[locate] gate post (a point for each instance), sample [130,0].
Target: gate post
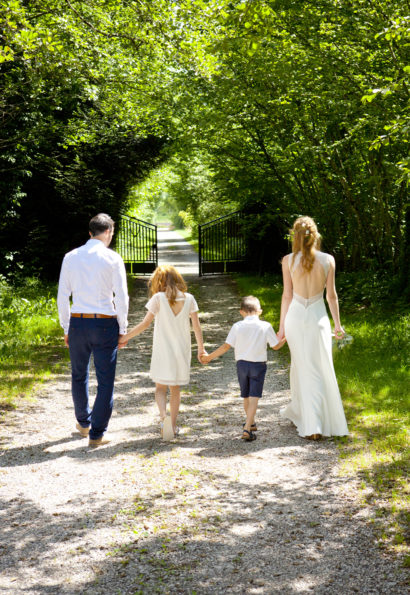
[200,249]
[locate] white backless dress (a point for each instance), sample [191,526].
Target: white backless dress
[316,406]
[171,348]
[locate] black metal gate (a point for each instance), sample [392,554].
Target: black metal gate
[222,246]
[136,242]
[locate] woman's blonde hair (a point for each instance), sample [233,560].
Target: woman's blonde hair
[305,239]
[166,278]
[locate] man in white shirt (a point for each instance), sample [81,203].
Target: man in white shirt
[94,276]
[250,338]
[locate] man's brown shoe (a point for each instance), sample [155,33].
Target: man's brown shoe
[98,441]
[83,431]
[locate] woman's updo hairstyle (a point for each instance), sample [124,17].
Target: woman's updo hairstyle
[305,239]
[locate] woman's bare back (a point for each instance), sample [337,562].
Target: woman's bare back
[309,284]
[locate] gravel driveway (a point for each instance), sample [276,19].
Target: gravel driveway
[206,513]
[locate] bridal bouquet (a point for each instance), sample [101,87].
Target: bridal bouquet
[341,343]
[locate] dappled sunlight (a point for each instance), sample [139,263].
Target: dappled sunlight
[205,512]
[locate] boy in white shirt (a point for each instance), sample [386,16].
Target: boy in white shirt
[249,337]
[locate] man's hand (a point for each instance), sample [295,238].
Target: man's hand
[122,342]
[66,340]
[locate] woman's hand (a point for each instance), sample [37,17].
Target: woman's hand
[339,333]
[280,335]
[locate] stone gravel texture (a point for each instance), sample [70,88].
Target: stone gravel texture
[206,513]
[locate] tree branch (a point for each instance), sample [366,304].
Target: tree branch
[136,44]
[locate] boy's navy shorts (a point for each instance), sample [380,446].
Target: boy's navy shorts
[251,376]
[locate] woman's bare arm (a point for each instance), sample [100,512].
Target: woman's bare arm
[332,298]
[287,296]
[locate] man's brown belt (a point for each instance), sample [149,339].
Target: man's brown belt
[77,315]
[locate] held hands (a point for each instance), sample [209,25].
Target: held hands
[281,343]
[122,341]
[280,335]
[202,357]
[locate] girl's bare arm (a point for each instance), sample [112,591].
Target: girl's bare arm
[144,324]
[196,325]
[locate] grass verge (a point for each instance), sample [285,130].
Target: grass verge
[373,376]
[31,346]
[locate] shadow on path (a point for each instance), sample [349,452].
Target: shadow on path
[207,513]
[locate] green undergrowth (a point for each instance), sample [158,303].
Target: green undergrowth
[373,376]
[31,346]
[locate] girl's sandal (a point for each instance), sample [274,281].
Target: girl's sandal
[248,436]
[314,437]
[167,430]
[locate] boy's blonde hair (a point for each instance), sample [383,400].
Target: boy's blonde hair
[167,279]
[250,304]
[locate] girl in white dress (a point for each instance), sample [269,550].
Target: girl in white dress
[316,408]
[173,308]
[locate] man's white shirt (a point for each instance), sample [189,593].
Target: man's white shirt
[249,338]
[94,276]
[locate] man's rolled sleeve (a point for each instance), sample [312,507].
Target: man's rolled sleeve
[63,297]
[121,295]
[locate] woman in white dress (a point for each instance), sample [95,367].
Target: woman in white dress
[316,408]
[173,308]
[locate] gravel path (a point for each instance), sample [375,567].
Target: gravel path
[207,513]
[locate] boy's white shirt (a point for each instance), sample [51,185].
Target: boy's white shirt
[249,337]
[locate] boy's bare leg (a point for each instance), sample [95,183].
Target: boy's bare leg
[250,405]
[174,402]
[161,399]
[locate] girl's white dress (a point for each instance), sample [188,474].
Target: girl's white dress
[171,349]
[316,406]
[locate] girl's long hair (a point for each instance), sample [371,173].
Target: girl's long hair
[167,279]
[305,239]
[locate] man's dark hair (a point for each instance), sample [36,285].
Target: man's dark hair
[250,304]
[100,223]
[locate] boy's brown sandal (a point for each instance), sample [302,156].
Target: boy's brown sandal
[253,427]
[248,436]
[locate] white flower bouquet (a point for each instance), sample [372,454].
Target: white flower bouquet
[341,343]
